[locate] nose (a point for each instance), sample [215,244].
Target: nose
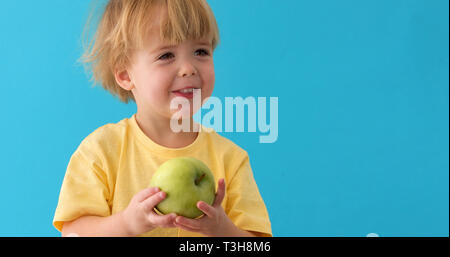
[187,70]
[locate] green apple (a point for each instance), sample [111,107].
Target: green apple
[185,181]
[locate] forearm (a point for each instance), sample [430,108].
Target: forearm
[94,226]
[230,230]
[241,233]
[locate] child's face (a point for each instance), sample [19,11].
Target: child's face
[156,73]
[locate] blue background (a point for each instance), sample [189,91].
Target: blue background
[363,110]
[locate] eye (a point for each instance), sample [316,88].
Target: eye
[202,52]
[166,56]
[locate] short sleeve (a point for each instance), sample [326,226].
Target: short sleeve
[84,191]
[245,206]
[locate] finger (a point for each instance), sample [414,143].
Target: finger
[187,228]
[206,209]
[220,193]
[191,223]
[146,193]
[162,220]
[150,203]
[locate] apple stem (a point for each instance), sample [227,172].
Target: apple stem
[197,181]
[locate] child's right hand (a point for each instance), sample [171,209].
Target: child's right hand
[139,217]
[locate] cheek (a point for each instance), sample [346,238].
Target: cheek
[208,82]
[158,85]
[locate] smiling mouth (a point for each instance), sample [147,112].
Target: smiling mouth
[186,92]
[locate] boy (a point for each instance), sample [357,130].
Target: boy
[152,52]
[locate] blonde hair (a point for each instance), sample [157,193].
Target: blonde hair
[124,26]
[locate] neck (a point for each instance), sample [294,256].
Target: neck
[157,128]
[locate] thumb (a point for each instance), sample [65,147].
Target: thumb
[220,193]
[146,193]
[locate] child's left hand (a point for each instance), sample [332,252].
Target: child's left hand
[215,222]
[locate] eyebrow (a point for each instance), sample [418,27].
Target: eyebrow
[204,44]
[166,47]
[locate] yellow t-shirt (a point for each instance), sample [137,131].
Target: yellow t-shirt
[118,160]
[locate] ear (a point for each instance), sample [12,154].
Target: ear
[123,79]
